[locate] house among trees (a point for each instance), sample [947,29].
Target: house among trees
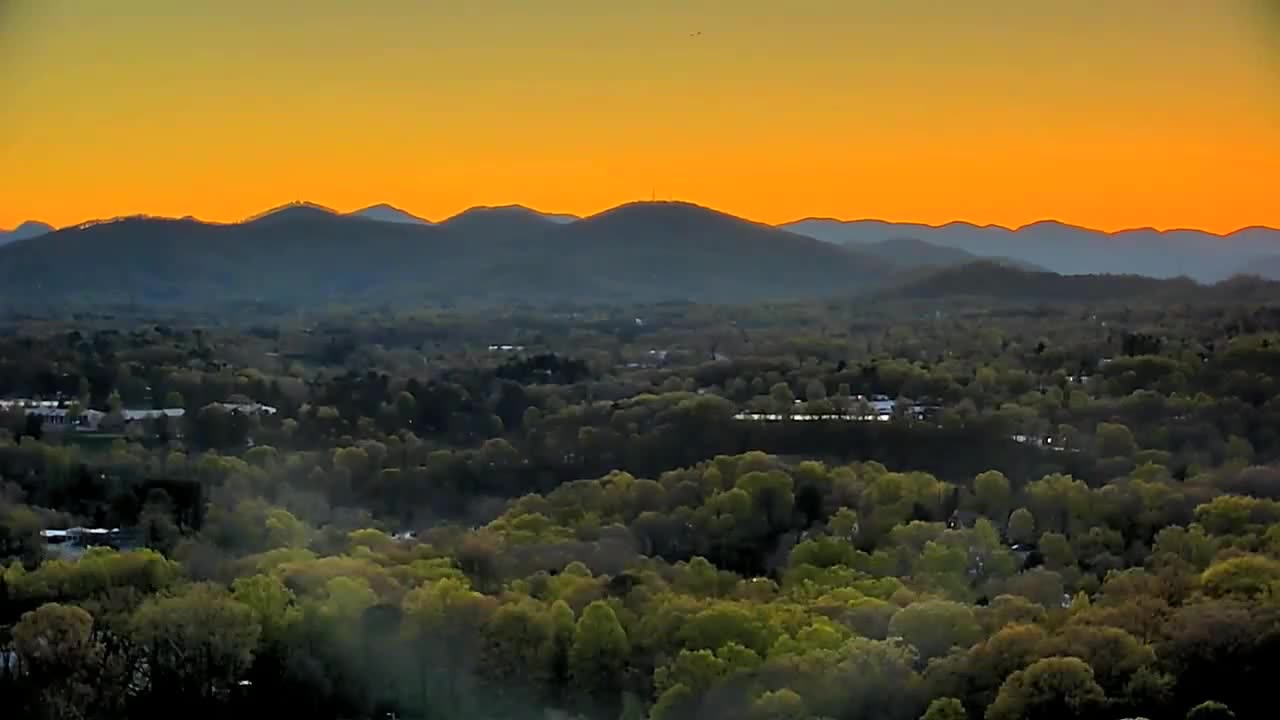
[72,542]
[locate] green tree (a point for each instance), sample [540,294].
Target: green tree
[270,600]
[519,645]
[600,651]
[1245,577]
[677,703]
[200,643]
[60,653]
[1022,526]
[1115,440]
[992,492]
[783,399]
[933,627]
[1055,688]
[945,709]
[1057,551]
[1239,450]
[784,704]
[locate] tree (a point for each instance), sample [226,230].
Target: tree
[1245,576]
[443,622]
[784,704]
[697,670]
[1115,440]
[155,520]
[1210,710]
[1055,688]
[600,651]
[677,703]
[200,643]
[772,496]
[1239,450]
[992,492]
[1022,527]
[783,399]
[1057,551]
[519,645]
[721,624]
[271,601]
[945,709]
[57,647]
[933,627]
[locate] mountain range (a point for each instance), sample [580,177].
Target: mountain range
[1068,249]
[303,253]
[306,254]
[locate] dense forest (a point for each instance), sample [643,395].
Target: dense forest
[949,505]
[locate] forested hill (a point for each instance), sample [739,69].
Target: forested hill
[992,280]
[307,255]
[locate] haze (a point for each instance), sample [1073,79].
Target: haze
[1156,113]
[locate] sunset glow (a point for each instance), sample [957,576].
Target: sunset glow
[1112,115]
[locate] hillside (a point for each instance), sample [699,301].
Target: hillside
[910,253]
[305,254]
[701,253]
[1069,249]
[991,280]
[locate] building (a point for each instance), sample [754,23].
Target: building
[57,415]
[72,542]
[248,408]
[877,408]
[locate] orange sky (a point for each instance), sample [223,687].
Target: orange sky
[1105,113]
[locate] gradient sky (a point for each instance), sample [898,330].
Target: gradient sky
[1105,113]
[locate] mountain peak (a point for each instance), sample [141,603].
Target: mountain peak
[28,229]
[508,213]
[382,212]
[297,208]
[665,210]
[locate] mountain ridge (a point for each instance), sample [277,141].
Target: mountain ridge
[1017,228]
[299,254]
[1048,244]
[1070,249]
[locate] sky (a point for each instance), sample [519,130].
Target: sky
[1110,114]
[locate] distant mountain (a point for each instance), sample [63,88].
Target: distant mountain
[992,280]
[307,254]
[911,253]
[508,221]
[704,254]
[1068,249]
[26,230]
[561,218]
[291,211]
[386,213]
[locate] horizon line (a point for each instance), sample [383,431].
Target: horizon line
[783,225]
